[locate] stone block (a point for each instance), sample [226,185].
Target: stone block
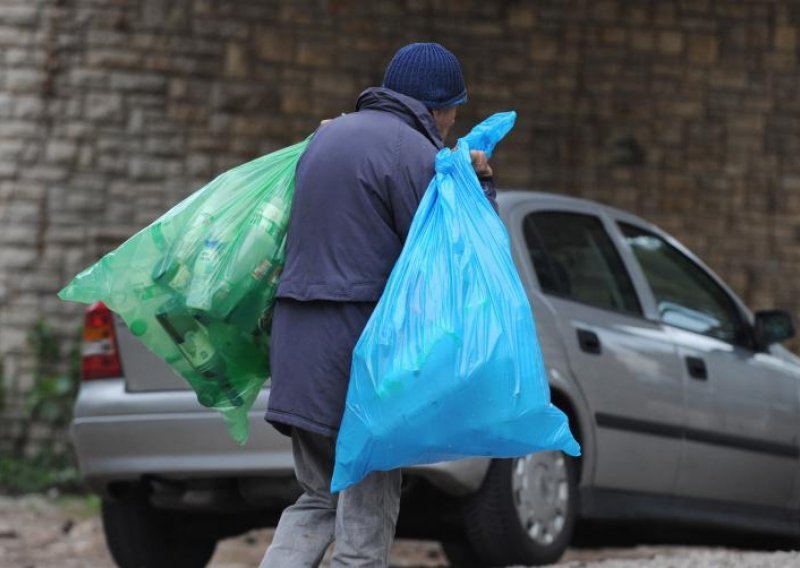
[243,97]
[747,124]
[12,338]
[45,284]
[521,15]
[16,234]
[6,104]
[13,36]
[104,106]
[702,49]
[199,165]
[46,173]
[97,37]
[84,77]
[27,107]
[140,168]
[315,53]
[274,45]
[83,202]
[119,211]
[642,40]
[11,149]
[61,151]
[340,84]
[604,10]
[24,57]
[670,42]
[614,35]
[237,61]
[544,46]
[164,145]
[784,61]
[117,58]
[26,14]
[23,80]
[17,257]
[188,114]
[138,82]
[295,100]
[8,169]
[785,38]
[224,28]
[109,164]
[728,78]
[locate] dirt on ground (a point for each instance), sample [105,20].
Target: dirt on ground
[42,532]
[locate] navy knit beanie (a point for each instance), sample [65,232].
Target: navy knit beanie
[429,73]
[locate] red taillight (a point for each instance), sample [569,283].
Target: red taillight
[100,353]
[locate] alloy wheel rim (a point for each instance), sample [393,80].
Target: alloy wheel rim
[541,495]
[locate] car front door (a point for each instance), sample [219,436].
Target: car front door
[626,368]
[741,405]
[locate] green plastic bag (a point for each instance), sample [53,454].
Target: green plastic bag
[197,286]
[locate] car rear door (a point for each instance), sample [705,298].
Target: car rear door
[625,366]
[741,405]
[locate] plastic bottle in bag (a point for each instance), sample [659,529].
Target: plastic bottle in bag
[207,271]
[181,243]
[194,343]
[256,257]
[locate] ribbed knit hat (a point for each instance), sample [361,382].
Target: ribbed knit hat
[429,73]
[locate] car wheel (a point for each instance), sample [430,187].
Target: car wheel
[141,536]
[525,510]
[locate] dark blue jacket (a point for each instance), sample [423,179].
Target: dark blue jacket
[358,186]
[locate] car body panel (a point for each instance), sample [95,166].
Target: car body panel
[742,427]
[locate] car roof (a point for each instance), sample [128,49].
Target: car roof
[508,198]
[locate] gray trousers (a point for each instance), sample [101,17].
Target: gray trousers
[360,520]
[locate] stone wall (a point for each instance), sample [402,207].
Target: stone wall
[686,113]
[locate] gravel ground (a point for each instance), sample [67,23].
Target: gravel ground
[37,532]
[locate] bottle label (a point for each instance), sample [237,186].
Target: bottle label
[270,219]
[260,270]
[209,256]
[181,279]
[198,348]
[272,213]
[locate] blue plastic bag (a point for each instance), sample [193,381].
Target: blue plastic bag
[449,365]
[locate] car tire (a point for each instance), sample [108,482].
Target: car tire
[141,536]
[525,511]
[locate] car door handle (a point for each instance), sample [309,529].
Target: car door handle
[589,342]
[697,368]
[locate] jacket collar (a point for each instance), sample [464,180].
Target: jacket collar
[410,110]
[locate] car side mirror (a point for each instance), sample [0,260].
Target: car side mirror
[773,326]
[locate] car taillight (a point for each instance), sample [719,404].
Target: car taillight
[100,353]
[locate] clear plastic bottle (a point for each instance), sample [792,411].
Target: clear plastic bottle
[181,242]
[256,255]
[207,274]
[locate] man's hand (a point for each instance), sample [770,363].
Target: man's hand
[480,163]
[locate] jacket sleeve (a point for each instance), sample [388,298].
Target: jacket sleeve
[411,176]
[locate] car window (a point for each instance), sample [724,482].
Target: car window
[574,257]
[686,296]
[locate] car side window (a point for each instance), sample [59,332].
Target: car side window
[686,296]
[574,257]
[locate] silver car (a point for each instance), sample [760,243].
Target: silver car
[686,407]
